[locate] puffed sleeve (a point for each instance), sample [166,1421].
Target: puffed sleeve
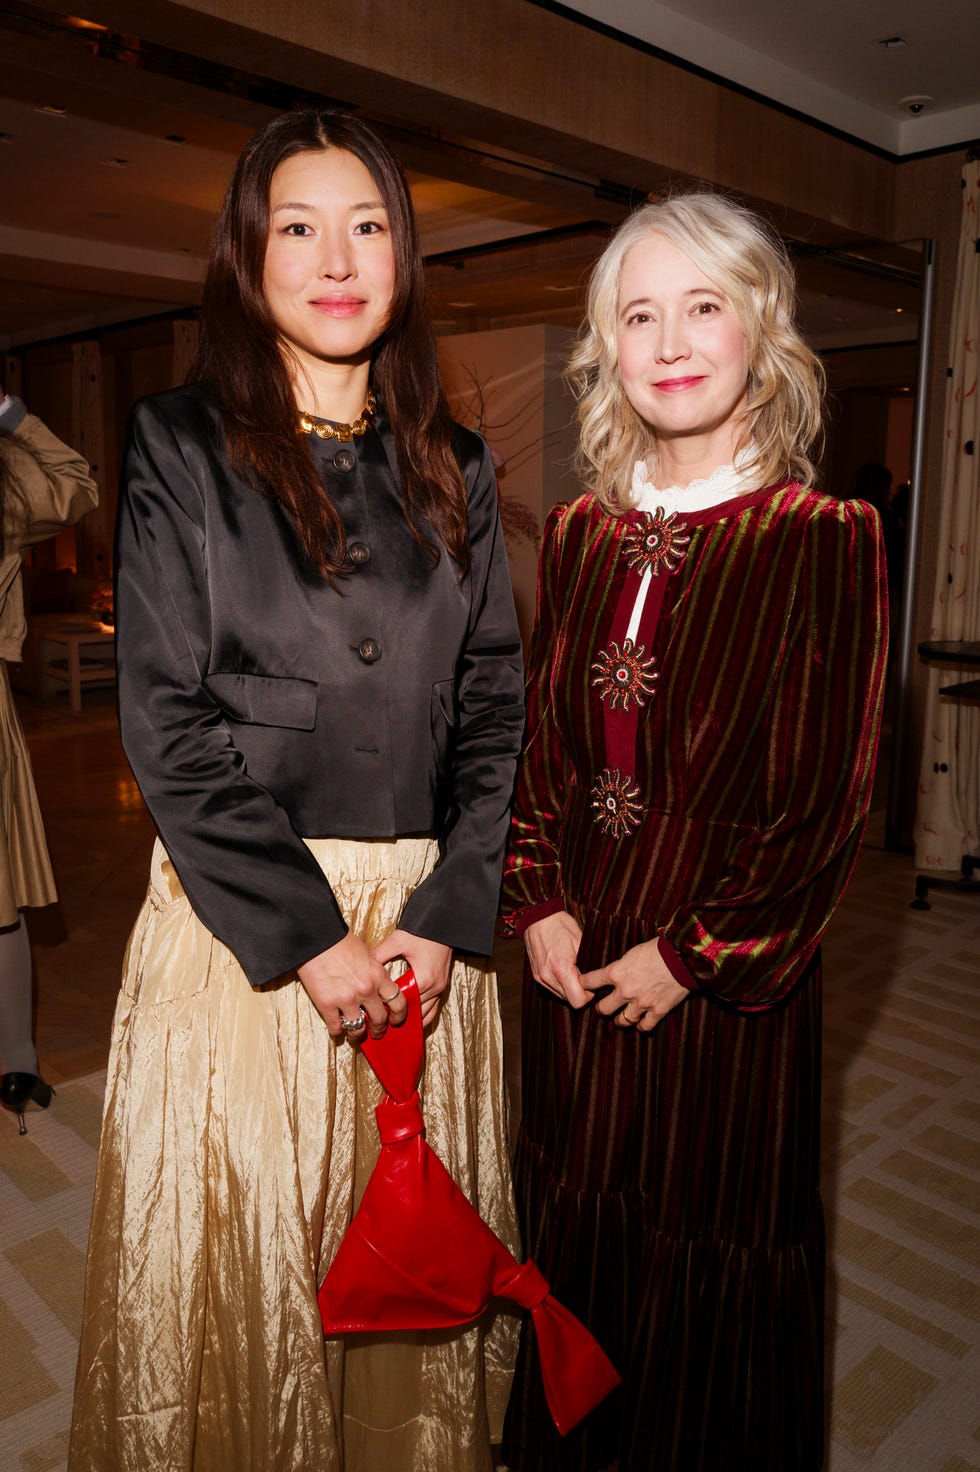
[748,942]
[532,871]
[457,903]
[247,873]
[53,487]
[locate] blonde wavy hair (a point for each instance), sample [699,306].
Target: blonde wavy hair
[749,264]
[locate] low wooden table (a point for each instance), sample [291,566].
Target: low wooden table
[88,652]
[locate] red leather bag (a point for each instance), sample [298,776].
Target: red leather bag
[418,1256]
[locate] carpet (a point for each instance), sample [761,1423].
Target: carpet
[901,1185]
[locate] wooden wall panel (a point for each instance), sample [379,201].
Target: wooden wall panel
[511,74]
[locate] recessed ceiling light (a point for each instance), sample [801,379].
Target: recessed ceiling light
[899,309]
[891,42]
[52,110]
[461,304]
[559,287]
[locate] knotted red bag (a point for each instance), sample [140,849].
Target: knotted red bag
[418,1256]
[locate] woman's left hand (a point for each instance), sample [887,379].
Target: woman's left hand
[430,961]
[643,990]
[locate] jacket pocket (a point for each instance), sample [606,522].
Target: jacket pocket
[444,717]
[265,700]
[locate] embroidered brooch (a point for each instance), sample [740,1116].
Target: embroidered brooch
[615,803]
[655,543]
[623,676]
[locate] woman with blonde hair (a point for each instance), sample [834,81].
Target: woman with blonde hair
[704,691]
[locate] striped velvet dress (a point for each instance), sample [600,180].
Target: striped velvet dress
[668,1183]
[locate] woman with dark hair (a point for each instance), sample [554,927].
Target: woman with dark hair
[44,486]
[704,695]
[320,695]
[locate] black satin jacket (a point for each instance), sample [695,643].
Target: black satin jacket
[259,706]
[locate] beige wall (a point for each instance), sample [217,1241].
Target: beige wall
[508,385]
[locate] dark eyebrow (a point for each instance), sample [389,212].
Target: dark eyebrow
[294,204]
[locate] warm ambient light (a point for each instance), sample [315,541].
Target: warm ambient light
[461,304]
[52,109]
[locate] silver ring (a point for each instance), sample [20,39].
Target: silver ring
[396,993]
[353,1024]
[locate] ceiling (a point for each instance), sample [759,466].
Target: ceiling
[827,59]
[111,175]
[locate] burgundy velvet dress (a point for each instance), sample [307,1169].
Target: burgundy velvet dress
[706,784]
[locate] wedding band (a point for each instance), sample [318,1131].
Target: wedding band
[353,1024]
[396,993]
[632,1021]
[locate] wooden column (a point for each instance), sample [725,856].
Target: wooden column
[93,538]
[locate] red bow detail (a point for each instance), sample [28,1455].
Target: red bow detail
[418,1256]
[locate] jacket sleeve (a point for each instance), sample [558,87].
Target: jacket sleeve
[52,481]
[532,885]
[457,903]
[245,870]
[748,942]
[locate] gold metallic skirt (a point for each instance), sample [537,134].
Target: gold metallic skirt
[237,1139]
[25,869]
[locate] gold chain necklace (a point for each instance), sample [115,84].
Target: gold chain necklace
[346,432]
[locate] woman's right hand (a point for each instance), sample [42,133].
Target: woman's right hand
[552,950]
[345,978]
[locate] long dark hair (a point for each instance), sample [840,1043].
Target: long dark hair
[240,353]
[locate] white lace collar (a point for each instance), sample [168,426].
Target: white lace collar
[721,485]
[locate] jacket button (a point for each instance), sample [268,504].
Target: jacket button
[345,460]
[359,553]
[369,650]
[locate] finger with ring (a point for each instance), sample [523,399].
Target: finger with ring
[353,1024]
[394,996]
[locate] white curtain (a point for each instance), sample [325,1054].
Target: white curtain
[948,809]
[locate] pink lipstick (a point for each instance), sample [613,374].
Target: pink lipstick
[678,385]
[338,306]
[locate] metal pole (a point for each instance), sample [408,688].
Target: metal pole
[906,650]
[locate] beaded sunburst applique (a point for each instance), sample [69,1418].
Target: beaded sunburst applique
[615,802]
[656,542]
[622,676]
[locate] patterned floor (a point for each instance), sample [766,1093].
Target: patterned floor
[901,1124]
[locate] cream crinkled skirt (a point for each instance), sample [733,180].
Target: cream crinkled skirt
[237,1139]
